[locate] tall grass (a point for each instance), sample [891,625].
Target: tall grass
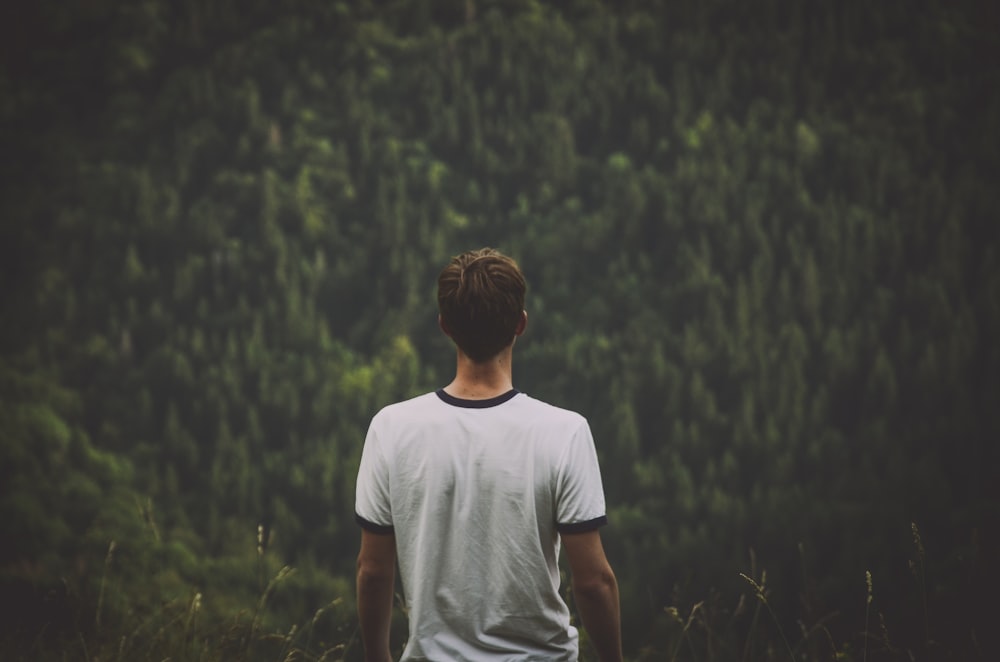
[123,627]
[179,633]
[751,630]
[134,620]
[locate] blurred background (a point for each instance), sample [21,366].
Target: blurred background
[761,241]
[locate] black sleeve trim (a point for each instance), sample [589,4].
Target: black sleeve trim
[372,527]
[583,527]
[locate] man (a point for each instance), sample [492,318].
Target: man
[473,487]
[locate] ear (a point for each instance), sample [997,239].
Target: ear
[443,326]
[523,324]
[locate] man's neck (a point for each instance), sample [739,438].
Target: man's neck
[481,381]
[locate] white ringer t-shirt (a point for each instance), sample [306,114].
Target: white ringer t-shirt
[476,493]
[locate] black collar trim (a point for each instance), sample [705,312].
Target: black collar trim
[476,404]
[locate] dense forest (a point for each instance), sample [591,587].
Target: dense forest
[763,254]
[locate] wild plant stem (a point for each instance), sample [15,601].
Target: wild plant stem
[759,590]
[684,636]
[868,604]
[104,578]
[921,577]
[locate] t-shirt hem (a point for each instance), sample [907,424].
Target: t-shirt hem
[372,527]
[583,527]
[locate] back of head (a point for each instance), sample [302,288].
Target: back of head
[481,298]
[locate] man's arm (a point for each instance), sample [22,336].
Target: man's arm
[376,579]
[595,590]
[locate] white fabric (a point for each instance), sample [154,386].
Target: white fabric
[474,496]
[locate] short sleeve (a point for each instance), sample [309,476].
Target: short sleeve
[579,492]
[372,507]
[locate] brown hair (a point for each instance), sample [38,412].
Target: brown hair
[481,298]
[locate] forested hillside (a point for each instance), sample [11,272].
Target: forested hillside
[761,243]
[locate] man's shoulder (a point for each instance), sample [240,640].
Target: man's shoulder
[549,411]
[407,407]
[429,406]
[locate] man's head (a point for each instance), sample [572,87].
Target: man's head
[481,301]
